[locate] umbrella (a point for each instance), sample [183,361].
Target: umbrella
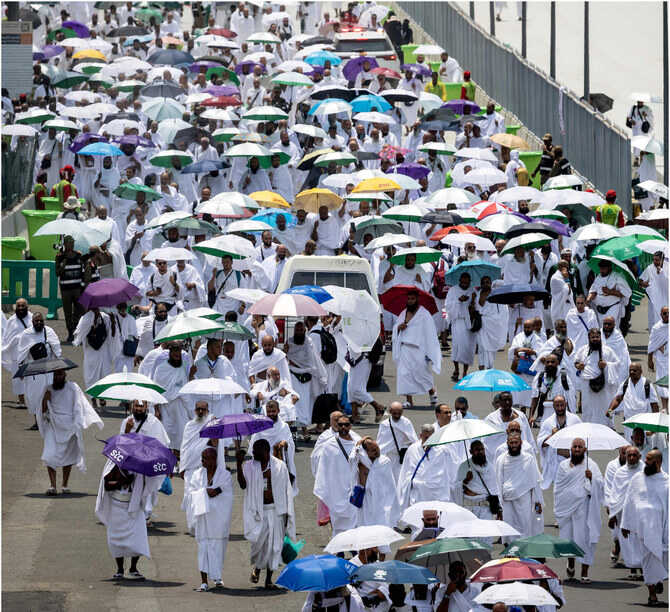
[19,130]
[404,212]
[543,546]
[492,380]
[442,218]
[159,109]
[164,159]
[413,170]
[389,240]
[169,254]
[270,218]
[223,134]
[135,452]
[319,58]
[309,130]
[440,148]
[165,218]
[423,255]
[563,181]
[650,232]
[168,129]
[476,268]
[122,378]
[655,187]
[34,115]
[650,421]
[330,107]
[149,14]
[360,316]
[84,235]
[404,181]
[108,292]
[478,528]
[205,312]
[77,27]
[510,569]
[595,231]
[162,89]
[531,240]
[542,213]
[476,153]
[511,141]
[395,299]
[269,199]
[447,511]
[500,223]
[236,426]
[218,207]
[370,102]
[307,162]
[292,79]
[517,193]
[248,149]
[428,50]
[229,244]
[248,296]
[374,226]
[318,294]
[222,101]
[313,199]
[285,305]
[127,31]
[617,267]
[486,176]
[90,54]
[265,113]
[460,431]
[658,214]
[515,292]
[363,197]
[459,106]
[185,326]
[399,95]
[192,226]
[652,246]
[235,198]
[130,393]
[336,157]
[61,125]
[205,166]
[460,240]
[44,366]
[625,247]
[212,387]
[101,148]
[439,554]
[223,90]
[387,72]
[264,38]
[516,594]
[247,226]
[320,573]
[647,143]
[459,229]
[596,436]
[394,572]
[234,331]
[374,117]
[369,536]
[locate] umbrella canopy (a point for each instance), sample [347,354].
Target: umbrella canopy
[163,108]
[562,181]
[122,378]
[247,226]
[292,79]
[625,247]
[318,294]
[338,158]
[265,113]
[395,299]
[375,227]
[492,380]
[378,184]
[128,191]
[44,366]
[84,235]
[442,218]
[212,387]
[389,240]
[486,176]
[246,295]
[542,213]
[537,227]
[532,240]
[543,546]
[61,125]
[374,117]
[369,536]
[313,199]
[647,143]
[617,267]
[460,240]
[500,223]
[478,528]
[476,268]
[422,254]
[447,512]
[248,149]
[428,50]
[234,331]
[269,217]
[517,193]
[163,89]
[596,436]
[485,208]
[400,95]
[655,187]
[269,199]
[236,426]
[451,195]
[34,115]
[170,57]
[367,103]
[135,452]
[511,141]
[653,246]
[516,594]
[650,232]
[595,231]
[130,393]
[231,245]
[476,153]
[404,212]
[204,166]
[460,431]
[650,421]
[108,292]
[167,217]
[459,229]
[394,572]
[510,569]
[165,159]
[286,305]
[185,326]
[360,316]
[318,573]
[103,149]
[169,254]
[515,292]
[319,58]
[206,312]
[439,554]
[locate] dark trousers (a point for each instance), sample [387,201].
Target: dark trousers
[72,309]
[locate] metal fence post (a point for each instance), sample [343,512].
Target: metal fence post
[524,8]
[552,42]
[587,67]
[492,18]
[472,11]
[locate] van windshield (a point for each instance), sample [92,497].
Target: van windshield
[350,280]
[369,45]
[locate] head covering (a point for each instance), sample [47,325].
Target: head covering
[547,136]
[610,195]
[72,203]
[466,73]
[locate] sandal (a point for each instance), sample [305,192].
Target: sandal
[570,573]
[65,491]
[454,377]
[118,576]
[653,602]
[434,400]
[218,584]
[51,492]
[135,576]
[585,580]
[255,575]
[203,588]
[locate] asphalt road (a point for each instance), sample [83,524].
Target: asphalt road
[55,553]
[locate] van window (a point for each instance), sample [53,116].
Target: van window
[356,280]
[350,280]
[369,45]
[302,278]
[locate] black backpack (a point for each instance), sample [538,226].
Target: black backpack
[328,346]
[98,334]
[647,388]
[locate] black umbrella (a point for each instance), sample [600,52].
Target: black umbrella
[189,135]
[341,93]
[442,217]
[398,96]
[317,40]
[601,102]
[447,126]
[128,116]
[515,292]
[441,114]
[213,58]
[366,155]
[162,89]
[125,31]
[44,366]
[526,228]
[204,166]
[170,57]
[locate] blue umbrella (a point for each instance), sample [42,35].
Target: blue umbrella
[270,217]
[492,380]
[368,102]
[476,268]
[319,58]
[318,294]
[318,573]
[515,292]
[204,166]
[320,102]
[101,148]
[394,572]
[134,452]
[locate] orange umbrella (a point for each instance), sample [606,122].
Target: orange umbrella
[455,229]
[270,199]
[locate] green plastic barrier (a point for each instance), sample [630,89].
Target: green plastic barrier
[12,248]
[448,181]
[39,288]
[512,129]
[41,247]
[52,204]
[453,91]
[532,161]
[408,56]
[435,66]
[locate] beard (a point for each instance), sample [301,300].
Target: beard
[514,453]
[576,459]
[299,339]
[650,470]
[139,416]
[58,384]
[175,363]
[479,460]
[551,372]
[595,346]
[412,307]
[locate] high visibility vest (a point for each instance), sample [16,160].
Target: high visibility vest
[609,213]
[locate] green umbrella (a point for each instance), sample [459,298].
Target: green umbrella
[145,14]
[65,79]
[128,191]
[163,108]
[129,85]
[266,162]
[34,116]
[235,331]
[90,68]
[662,382]
[67,32]
[622,248]
[293,79]
[439,554]
[404,212]
[122,378]
[222,71]
[101,80]
[225,134]
[338,158]
[423,255]
[617,266]
[377,226]
[542,546]
[265,113]
[649,421]
[193,226]
[184,326]
[164,158]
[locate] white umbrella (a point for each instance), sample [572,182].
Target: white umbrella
[448,513]
[641,96]
[428,50]
[595,231]
[258,56]
[596,436]
[651,246]
[219,114]
[462,430]
[543,213]
[185,326]
[631,230]
[460,240]
[234,246]
[429,101]
[81,112]
[198,97]
[219,208]
[247,225]
[657,214]
[332,108]
[389,240]
[248,149]
[360,316]
[654,420]
[156,160]
[404,212]
[655,187]
[295,78]
[368,195]
[309,130]
[478,528]
[203,311]
[476,153]
[123,378]
[339,181]
[261,113]
[517,193]
[516,594]
[236,198]
[438,147]
[293,66]
[212,387]
[361,538]
[169,254]
[248,296]
[18,129]
[129,393]
[499,223]
[647,143]
[526,240]
[405,182]
[61,124]
[264,37]
[375,117]
[451,195]
[167,217]
[562,181]
[486,176]
[84,235]
[117,127]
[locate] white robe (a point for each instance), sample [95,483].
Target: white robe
[577,502]
[405,436]
[97,363]
[11,330]
[616,306]
[579,325]
[561,297]
[483,484]
[191,298]
[416,351]
[631,549]
[190,457]
[279,432]
[619,346]
[260,362]
[303,359]
[221,368]
[380,502]
[595,405]
[657,291]
[635,400]
[463,345]
[175,413]
[658,348]
[425,475]
[534,342]
[492,337]
[126,328]
[285,401]
[549,457]
[495,419]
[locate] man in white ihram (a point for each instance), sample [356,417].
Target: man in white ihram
[475,482]
[64,415]
[518,480]
[578,496]
[394,437]
[416,351]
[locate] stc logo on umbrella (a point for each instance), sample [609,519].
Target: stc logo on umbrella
[159,468]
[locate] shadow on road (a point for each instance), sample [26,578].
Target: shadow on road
[74,495]
[602,585]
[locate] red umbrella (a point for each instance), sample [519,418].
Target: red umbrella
[485,208]
[395,299]
[387,72]
[222,101]
[222,32]
[512,568]
[455,229]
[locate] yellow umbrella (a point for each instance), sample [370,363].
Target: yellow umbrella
[510,141]
[312,199]
[270,199]
[89,54]
[377,184]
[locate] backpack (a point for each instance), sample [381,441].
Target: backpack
[647,388]
[328,346]
[98,334]
[376,351]
[439,284]
[564,381]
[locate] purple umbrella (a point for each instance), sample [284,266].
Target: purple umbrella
[136,141]
[415,171]
[458,106]
[526,218]
[50,51]
[236,425]
[134,452]
[421,69]
[85,139]
[81,30]
[239,68]
[108,292]
[223,90]
[355,65]
[197,66]
[559,227]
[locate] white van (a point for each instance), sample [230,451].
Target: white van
[373,44]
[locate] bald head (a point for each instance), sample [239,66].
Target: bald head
[334,416]
[395,410]
[653,462]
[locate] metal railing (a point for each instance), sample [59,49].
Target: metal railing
[596,148]
[18,165]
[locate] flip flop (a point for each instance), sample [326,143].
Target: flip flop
[203,588]
[454,377]
[255,575]
[51,492]
[118,576]
[585,580]
[135,576]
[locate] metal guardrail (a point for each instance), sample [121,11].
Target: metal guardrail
[34,280]
[596,148]
[18,166]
